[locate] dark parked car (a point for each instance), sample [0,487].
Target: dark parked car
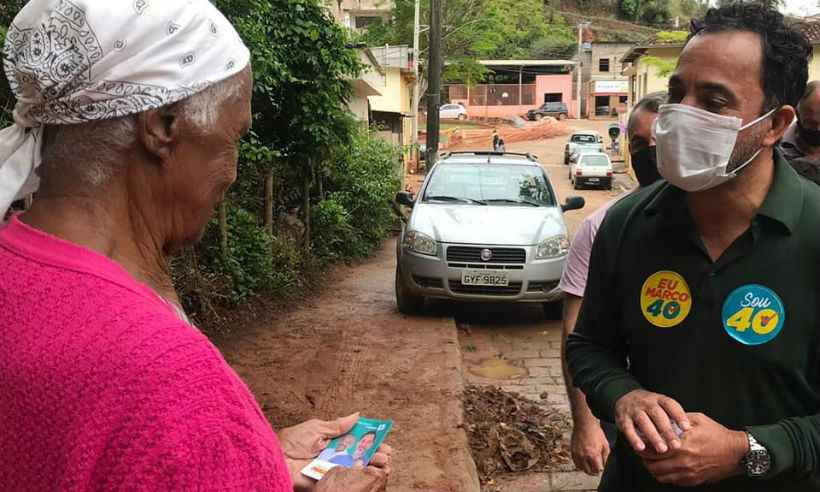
[555,109]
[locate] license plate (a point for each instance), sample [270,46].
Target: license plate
[592,180]
[491,278]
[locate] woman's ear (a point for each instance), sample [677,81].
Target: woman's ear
[158,131]
[781,119]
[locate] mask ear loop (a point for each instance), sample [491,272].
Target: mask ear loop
[739,168]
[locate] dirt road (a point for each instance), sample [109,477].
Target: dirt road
[348,350]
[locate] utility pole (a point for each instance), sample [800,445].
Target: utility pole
[434,87]
[414,103]
[578,73]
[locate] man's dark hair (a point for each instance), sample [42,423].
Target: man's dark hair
[650,102]
[786,51]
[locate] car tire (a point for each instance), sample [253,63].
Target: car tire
[575,185]
[553,311]
[562,116]
[407,303]
[566,160]
[462,117]
[539,117]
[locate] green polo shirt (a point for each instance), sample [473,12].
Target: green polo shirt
[736,339]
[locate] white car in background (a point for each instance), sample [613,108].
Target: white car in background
[591,169]
[484,227]
[580,142]
[452,112]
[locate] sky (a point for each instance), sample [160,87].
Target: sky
[802,8]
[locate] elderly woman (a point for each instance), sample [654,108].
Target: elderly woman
[127,123]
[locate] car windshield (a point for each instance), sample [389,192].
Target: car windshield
[584,139]
[594,160]
[489,184]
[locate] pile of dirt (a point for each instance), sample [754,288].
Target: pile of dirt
[510,433]
[482,138]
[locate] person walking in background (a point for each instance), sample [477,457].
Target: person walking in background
[496,139]
[501,147]
[591,440]
[697,334]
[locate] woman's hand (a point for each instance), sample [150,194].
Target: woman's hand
[306,440]
[302,443]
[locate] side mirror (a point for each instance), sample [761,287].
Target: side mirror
[406,199]
[573,203]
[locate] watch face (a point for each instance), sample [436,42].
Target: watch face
[758,463]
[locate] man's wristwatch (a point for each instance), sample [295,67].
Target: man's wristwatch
[757,461]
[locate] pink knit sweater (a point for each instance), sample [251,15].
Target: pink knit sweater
[103,387]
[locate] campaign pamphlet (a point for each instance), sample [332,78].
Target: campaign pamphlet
[357,447]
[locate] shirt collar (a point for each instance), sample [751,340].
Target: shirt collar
[783,204]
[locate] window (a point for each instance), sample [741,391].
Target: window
[603,65]
[594,160]
[623,99]
[496,184]
[584,139]
[553,97]
[364,22]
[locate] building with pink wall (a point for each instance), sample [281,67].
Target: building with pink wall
[527,84]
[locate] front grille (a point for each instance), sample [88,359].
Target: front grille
[428,282]
[542,286]
[471,254]
[512,290]
[485,266]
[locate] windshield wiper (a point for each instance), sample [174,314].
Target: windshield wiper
[444,198]
[517,202]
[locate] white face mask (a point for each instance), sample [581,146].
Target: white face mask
[694,146]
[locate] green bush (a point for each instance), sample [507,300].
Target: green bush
[364,179]
[333,237]
[256,262]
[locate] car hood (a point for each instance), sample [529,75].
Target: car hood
[491,225]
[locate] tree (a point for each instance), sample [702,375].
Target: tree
[480,29]
[302,70]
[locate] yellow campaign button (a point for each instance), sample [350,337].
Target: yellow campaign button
[665,299]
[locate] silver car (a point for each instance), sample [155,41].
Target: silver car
[485,226]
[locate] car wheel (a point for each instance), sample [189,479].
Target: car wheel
[562,116]
[553,311]
[462,117]
[538,117]
[407,303]
[575,185]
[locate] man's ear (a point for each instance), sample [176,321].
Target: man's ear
[158,131]
[781,119]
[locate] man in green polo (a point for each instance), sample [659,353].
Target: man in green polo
[698,335]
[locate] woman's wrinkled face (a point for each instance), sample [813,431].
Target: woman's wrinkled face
[205,160]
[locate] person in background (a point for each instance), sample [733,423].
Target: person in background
[802,139]
[496,138]
[591,440]
[801,143]
[501,146]
[127,125]
[697,335]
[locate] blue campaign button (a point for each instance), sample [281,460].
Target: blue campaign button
[753,314]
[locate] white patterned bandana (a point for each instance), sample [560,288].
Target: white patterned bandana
[75,61]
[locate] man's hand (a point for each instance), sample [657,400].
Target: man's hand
[590,448]
[709,453]
[302,443]
[644,417]
[342,479]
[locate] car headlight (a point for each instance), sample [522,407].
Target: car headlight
[420,243]
[552,247]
